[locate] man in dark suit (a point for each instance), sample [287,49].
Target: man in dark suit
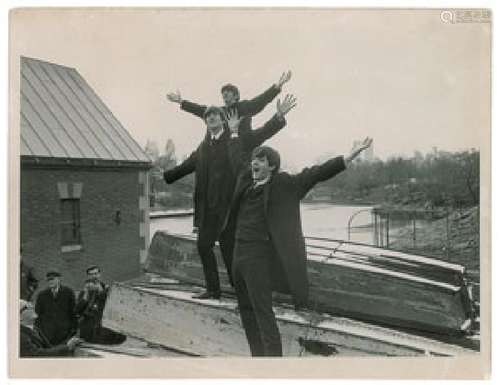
[244,109]
[55,307]
[269,250]
[35,344]
[215,178]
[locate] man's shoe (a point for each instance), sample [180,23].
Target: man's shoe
[207,295]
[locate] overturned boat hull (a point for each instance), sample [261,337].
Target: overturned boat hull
[359,281]
[170,317]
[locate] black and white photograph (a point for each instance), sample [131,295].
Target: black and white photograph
[263,184]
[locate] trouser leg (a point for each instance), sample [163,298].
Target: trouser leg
[247,315]
[226,242]
[260,295]
[254,272]
[205,245]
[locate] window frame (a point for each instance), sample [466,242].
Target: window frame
[72,226]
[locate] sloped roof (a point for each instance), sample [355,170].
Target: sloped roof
[62,117]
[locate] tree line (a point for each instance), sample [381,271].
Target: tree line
[435,180]
[432,180]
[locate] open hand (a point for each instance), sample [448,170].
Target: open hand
[358,149]
[73,341]
[233,121]
[285,77]
[288,103]
[367,142]
[175,97]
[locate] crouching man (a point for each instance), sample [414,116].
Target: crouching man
[33,343]
[270,252]
[90,309]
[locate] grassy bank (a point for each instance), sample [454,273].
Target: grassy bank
[455,239]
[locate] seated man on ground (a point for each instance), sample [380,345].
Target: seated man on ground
[90,308]
[55,307]
[33,343]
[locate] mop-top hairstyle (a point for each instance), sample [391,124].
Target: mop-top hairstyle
[273,157]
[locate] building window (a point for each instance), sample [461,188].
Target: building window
[70,223]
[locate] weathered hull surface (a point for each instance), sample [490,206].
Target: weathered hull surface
[354,280]
[170,317]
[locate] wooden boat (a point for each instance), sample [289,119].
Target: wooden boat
[132,347]
[165,314]
[348,279]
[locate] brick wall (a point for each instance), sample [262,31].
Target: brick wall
[114,247]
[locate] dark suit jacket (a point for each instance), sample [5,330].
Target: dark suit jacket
[245,108]
[198,160]
[33,344]
[89,311]
[56,316]
[282,195]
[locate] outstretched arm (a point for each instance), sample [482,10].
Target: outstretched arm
[243,144]
[254,106]
[258,136]
[185,168]
[308,177]
[236,146]
[186,105]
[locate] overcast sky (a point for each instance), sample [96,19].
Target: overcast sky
[405,78]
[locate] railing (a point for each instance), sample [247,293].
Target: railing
[451,235]
[351,219]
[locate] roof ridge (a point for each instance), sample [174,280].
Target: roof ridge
[27,58]
[81,121]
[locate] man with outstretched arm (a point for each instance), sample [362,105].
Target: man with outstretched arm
[245,109]
[215,179]
[269,251]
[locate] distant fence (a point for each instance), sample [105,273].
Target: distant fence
[451,235]
[393,225]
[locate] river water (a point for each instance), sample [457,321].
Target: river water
[318,219]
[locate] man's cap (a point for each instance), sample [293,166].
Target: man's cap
[232,88]
[212,109]
[92,267]
[52,273]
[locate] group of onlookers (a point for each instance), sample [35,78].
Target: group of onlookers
[59,321]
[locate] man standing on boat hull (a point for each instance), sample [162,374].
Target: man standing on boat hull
[215,179]
[244,109]
[269,249]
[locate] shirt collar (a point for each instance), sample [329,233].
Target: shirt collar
[216,136]
[261,182]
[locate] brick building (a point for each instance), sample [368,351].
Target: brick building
[83,179]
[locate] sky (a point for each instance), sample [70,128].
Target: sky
[403,77]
